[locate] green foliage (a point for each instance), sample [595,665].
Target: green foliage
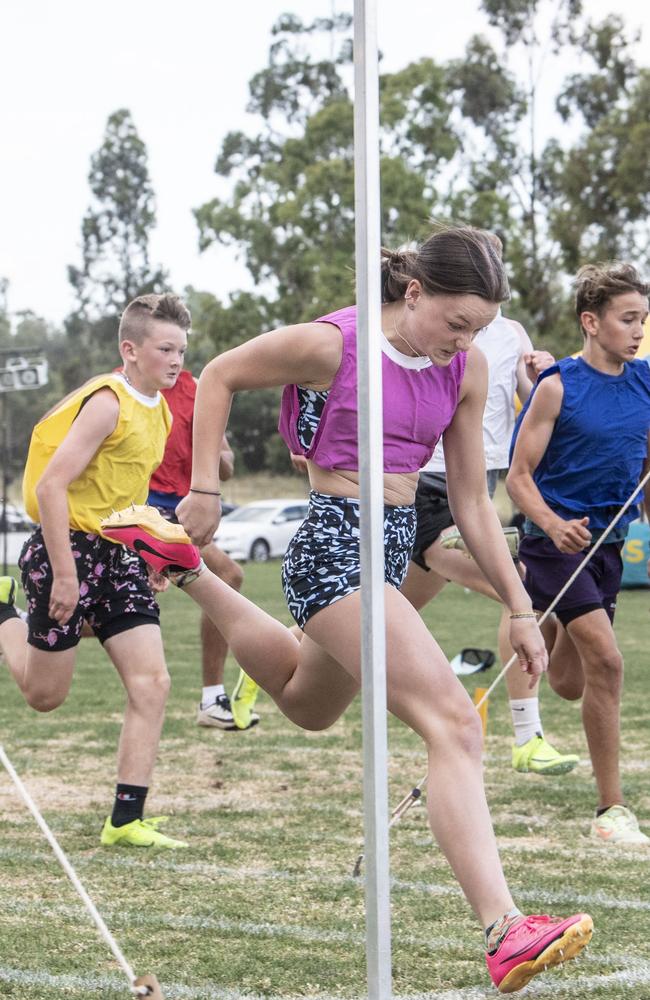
[116,228]
[458,142]
[254,421]
[601,186]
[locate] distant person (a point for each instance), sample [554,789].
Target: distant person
[93,452]
[169,484]
[513,366]
[583,444]
[435,300]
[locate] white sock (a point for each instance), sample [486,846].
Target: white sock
[525,719]
[210,694]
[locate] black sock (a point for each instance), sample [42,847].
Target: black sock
[129,804]
[599,812]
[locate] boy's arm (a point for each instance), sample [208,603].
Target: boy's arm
[94,423]
[532,441]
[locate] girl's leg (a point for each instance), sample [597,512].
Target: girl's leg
[424,693]
[307,685]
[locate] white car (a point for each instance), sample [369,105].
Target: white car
[260,529]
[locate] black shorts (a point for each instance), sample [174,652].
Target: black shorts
[114,591]
[433,514]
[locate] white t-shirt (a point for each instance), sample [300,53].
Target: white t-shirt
[502,342]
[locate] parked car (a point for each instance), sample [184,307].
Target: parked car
[17,519]
[261,529]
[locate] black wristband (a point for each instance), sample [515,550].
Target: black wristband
[208,493]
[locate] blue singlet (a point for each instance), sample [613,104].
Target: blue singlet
[595,456]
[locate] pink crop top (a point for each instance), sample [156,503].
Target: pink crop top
[419,404]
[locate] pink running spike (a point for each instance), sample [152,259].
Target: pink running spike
[532,944]
[162,555]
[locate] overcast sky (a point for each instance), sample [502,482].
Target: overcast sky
[182,70]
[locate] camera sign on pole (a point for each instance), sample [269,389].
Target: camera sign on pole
[20,373]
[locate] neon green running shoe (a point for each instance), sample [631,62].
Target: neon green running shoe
[538,756]
[243,700]
[139,833]
[8,587]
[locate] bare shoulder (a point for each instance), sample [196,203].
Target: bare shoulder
[548,397]
[102,407]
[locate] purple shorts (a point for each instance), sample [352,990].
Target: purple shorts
[548,569]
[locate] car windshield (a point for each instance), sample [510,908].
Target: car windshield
[251,514]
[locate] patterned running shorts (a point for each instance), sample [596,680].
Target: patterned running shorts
[322,563]
[114,591]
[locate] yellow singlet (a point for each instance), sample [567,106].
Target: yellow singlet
[119,472]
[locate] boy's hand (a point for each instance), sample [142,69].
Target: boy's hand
[537,362]
[64,598]
[571,536]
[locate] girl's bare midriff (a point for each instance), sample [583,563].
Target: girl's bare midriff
[399,487]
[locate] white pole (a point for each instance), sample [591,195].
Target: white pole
[371,464]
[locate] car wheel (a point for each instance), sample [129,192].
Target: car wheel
[260,550]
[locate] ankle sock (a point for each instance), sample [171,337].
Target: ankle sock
[129,804]
[525,719]
[210,694]
[495,933]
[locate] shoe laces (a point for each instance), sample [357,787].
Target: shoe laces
[223,701]
[620,816]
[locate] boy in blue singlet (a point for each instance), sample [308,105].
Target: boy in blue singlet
[581,448]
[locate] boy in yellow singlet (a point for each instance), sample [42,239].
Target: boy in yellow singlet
[92,453]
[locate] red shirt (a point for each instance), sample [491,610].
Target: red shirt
[173,475]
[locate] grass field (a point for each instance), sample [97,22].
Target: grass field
[263,903]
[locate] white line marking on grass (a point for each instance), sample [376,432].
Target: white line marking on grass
[548,897]
[598,898]
[636,974]
[123,918]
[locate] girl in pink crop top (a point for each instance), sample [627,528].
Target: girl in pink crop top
[435,300]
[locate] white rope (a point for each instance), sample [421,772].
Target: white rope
[416,792]
[72,875]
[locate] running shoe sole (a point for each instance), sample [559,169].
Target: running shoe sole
[563,949]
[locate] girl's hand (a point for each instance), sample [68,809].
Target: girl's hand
[528,643]
[200,513]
